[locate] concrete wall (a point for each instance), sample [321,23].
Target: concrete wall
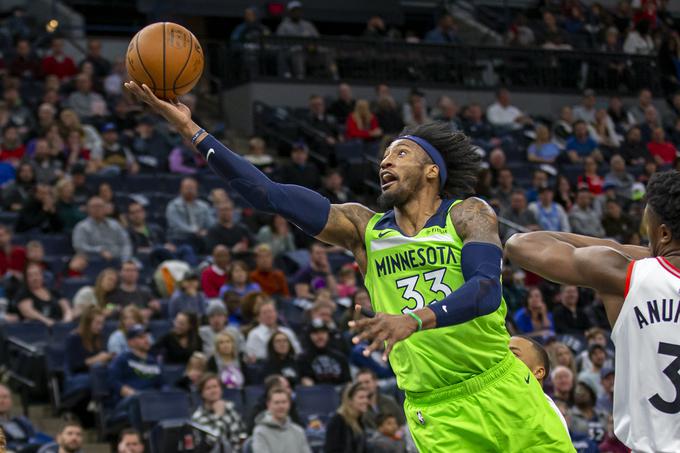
[238,101]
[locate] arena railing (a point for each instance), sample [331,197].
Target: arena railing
[471,67]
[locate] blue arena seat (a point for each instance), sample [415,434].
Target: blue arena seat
[172,373]
[316,401]
[33,333]
[70,286]
[154,407]
[159,327]
[252,394]
[61,330]
[236,397]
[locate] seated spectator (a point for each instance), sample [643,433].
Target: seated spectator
[444,33]
[585,418]
[113,158]
[534,320]
[581,145]
[135,370]
[504,116]
[620,177]
[69,439]
[617,224]
[150,147]
[639,41]
[345,430]
[15,193]
[275,432]
[334,190]
[347,281]
[318,273]
[362,124]
[448,113]
[518,213]
[584,218]
[564,194]
[225,361]
[604,132]
[281,359]
[12,257]
[267,324]
[219,414]
[217,315]
[129,291]
[569,317]
[130,316]
[196,368]
[277,235]
[662,151]
[563,384]
[48,167]
[416,114]
[104,286]
[543,150]
[187,297]
[300,171]
[100,236]
[388,116]
[502,193]
[12,148]
[326,132]
[258,411]
[36,302]
[188,217]
[272,281]
[321,364]
[83,100]
[258,156]
[20,433]
[386,437]
[605,401]
[57,62]
[597,355]
[378,403]
[585,111]
[227,231]
[25,64]
[590,177]
[130,441]
[238,280]
[633,149]
[343,106]
[68,211]
[184,160]
[177,346]
[39,212]
[622,118]
[649,124]
[550,215]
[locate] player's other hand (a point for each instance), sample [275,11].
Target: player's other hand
[383,328]
[174,111]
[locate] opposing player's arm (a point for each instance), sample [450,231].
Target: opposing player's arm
[339,224]
[599,267]
[577,240]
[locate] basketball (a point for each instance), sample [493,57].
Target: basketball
[167,58]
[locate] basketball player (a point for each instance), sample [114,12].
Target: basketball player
[640,289]
[536,359]
[465,391]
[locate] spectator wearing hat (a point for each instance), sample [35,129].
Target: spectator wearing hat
[188,217]
[321,364]
[272,281]
[187,297]
[228,231]
[300,171]
[267,324]
[218,316]
[597,354]
[605,401]
[135,370]
[550,215]
[150,147]
[113,157]
[99,235]
[583,217]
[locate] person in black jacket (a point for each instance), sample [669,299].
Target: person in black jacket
[569,317]
[322,364]
[300,171]
[39,212]
[345,432]
[178,345]
[281,359]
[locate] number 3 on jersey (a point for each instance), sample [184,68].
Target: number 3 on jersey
[410,293]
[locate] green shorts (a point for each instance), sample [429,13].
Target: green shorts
[502,410]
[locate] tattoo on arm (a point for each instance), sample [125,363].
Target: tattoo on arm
[476,221]
[346,225]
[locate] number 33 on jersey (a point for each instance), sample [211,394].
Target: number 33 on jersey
[407,273]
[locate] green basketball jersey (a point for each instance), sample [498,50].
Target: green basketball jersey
[406,273]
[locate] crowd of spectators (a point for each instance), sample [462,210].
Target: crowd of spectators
[251,300]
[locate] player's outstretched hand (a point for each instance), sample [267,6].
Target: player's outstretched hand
[174,111]
[383,328]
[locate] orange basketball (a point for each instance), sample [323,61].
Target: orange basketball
[166,57]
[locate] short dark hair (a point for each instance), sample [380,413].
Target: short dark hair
[577,122]
[366,370]
[462,161]
[383,417]
[129,432]
[540,352]
[274,390]
[70,424]
[663,195]
[272,381]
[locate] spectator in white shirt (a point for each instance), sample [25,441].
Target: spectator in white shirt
[256,344]
[639,41]
[502,115]
[586,109]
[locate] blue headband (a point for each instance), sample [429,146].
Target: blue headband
[431,151]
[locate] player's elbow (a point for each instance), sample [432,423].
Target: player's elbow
[514,245]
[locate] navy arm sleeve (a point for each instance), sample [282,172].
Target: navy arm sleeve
[481,293]
[303,207]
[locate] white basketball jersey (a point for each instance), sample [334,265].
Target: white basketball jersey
[647,339]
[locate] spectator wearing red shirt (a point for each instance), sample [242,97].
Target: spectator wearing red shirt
[663,152]
[58,63]
[590,178]
[12,257]
[361,123]
[25,64]
[272,281]
[12,149]
[215,275]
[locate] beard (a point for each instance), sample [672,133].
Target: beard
[399,196]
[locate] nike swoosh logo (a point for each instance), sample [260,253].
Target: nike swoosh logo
[210,151]
[382,233]
[527,378]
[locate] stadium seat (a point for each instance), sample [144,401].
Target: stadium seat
[236,397]
[154,407]
[60,331]
[32,333]
[350,151]
[317,401]
[56,245]
[159,327]
[252,395]
[172,374]
[70,286]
